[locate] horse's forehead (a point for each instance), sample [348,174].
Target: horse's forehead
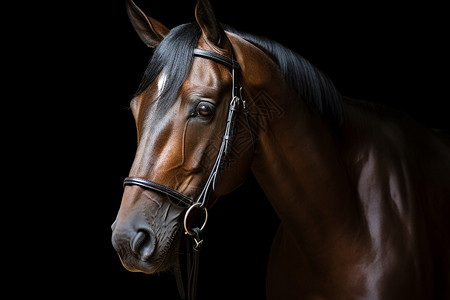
[207,75]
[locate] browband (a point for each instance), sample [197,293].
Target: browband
[222,59]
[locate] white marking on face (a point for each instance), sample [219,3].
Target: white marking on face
[161,82]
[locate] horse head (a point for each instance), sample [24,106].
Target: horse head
[180,110]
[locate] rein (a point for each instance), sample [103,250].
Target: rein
[202,200]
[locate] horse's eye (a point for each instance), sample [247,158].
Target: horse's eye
[205,109]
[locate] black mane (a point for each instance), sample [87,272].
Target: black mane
[175,54]
[313,86]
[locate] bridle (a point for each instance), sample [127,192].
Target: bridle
[236,98]
[202,200]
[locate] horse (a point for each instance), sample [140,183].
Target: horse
[362,191]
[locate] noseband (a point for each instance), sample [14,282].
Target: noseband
[202,200]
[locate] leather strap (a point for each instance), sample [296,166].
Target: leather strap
[182,200]
[194,264]
[221,59]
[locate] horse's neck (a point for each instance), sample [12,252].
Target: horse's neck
[296,161]
[299,167]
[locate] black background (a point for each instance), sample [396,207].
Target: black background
[84,64]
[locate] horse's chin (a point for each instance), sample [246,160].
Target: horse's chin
[148,267]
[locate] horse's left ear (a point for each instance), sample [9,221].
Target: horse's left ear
[211,28]
[149,30]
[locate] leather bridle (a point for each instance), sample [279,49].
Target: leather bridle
[202,200]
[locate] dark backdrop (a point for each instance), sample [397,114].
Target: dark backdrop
[395,54]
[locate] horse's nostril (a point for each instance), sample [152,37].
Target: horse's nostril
[138,240]
[143,243]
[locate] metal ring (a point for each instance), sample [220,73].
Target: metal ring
[187,214]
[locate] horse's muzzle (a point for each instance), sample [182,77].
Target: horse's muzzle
[135,243]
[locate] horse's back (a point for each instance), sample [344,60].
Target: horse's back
[433,189]
[402,177]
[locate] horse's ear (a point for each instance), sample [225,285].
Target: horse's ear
[149,30]
[211,28]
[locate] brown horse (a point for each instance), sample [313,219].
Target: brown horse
[362,191]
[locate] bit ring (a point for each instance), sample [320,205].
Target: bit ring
[195,205]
